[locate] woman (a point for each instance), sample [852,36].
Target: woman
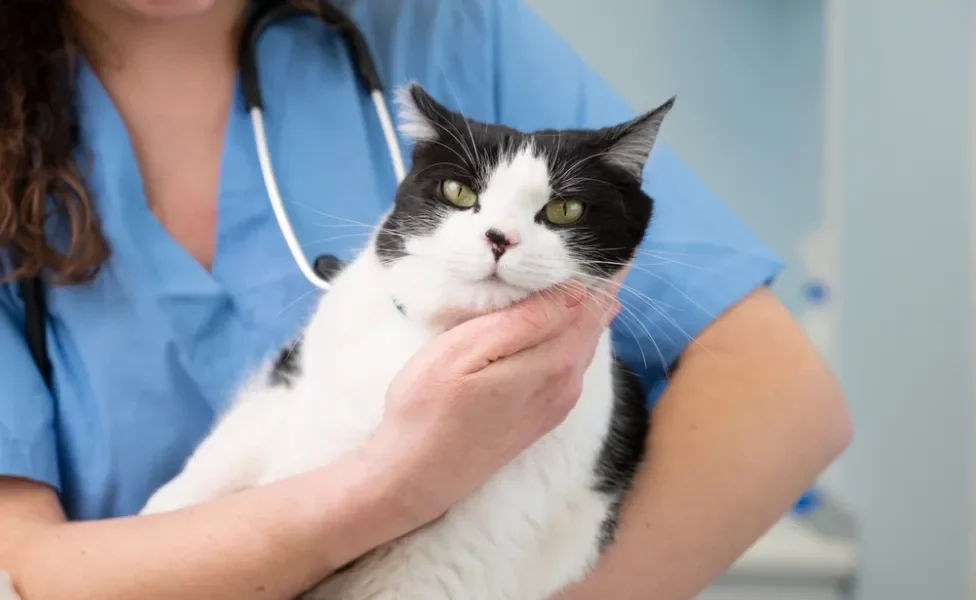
[168,279]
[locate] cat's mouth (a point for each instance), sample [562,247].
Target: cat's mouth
[496,279]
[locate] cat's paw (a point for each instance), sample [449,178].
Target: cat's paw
[168,498]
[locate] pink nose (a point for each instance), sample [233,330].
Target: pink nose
[499,242]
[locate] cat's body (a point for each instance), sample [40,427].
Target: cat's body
[537,524]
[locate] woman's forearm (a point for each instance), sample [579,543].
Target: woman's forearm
[750,418]
[268,542]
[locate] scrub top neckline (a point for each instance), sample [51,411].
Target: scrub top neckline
[170,266]
[228,304]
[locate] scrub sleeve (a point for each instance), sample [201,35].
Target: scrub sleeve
[28,445]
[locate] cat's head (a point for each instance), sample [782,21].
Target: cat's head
[488,215]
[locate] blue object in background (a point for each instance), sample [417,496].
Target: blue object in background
[816,291]
[808,503]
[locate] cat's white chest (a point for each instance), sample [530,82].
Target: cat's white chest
[351,353]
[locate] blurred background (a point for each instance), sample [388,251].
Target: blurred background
[842,132]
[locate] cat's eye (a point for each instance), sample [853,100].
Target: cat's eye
[459,194]
[563,211]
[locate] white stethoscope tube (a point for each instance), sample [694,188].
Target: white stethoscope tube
[274,194]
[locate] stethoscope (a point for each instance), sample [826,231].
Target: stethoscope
[264,15]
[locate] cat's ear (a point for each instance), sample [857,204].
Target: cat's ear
[421,118]
[629,145]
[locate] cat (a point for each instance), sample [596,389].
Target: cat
[487,216]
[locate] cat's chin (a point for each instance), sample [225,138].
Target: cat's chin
[467,301]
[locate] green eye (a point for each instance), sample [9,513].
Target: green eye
[563,211]
[459,194]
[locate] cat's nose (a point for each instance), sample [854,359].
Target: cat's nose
[499,242]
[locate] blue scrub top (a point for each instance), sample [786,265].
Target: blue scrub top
[148,354]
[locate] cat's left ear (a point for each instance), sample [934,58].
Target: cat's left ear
[421,117]
[628,146]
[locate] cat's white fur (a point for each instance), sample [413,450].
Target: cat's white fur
[534,526]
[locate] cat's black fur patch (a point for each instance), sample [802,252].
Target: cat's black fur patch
[624,445]
[287,367]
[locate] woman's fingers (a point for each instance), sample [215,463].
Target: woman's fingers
[569,352]
[474,345]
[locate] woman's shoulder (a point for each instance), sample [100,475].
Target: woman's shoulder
[445,46]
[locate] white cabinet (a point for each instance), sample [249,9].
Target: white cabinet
[793,561]
[772,592]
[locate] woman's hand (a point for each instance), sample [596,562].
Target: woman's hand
[479,394]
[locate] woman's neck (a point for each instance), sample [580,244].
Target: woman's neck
[116,39]
[172,82]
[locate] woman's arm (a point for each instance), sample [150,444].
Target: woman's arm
[455,414]
[268,542]
[750,418]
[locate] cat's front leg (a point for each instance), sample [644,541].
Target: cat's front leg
[229,459]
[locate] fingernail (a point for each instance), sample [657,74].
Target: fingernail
[574,299]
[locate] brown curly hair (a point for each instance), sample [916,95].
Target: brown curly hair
[47,219]
[46,216]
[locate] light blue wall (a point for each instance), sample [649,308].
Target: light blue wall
[749,120]
[906,327]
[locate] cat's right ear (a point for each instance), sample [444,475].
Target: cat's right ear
[628,146]
[421,117]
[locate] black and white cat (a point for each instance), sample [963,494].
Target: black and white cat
[487,216]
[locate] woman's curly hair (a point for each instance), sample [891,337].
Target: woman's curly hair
[47,221]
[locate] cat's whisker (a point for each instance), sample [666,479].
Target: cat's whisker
[353,235]
[571,170]
[474,144]
[579,292]
[655,246]
[660,253]
[461,166]
[342,226]
[655,305]
[296,301]
[548,294]
[291,348]
[457,138]
[438,164]
[635,315]
[665,260]
[643,267]
[572,185]
[334,238]
[325,214]
[683,295]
